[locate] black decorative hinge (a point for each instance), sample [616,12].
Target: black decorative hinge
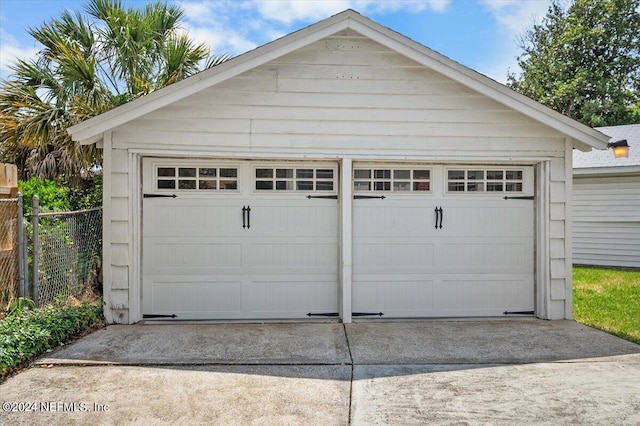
[159,196]
[328,197]
[367,314]
[518,313]
[524,197]
[360,197]
[159,316]
[325,314]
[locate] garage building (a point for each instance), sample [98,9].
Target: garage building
[606,200]
[343,170]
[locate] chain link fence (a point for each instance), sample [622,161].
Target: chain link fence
[67,249]
[62,250]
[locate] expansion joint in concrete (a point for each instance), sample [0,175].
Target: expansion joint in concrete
[346,336]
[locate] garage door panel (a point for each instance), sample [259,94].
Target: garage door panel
[384,255]
[299,218]
[197,294]
[409,296]
[443,296]
[301,257]
[268,298]
[504,256]
[393,218]
[473,295]
[186,256]
[500,218]
[193,218]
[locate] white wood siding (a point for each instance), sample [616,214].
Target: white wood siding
[344,96]
[606,220]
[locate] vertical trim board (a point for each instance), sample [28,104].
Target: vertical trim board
[346,243]
[107,279]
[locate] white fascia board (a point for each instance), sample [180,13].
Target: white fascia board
[97,139]
[584,137]
[87,131]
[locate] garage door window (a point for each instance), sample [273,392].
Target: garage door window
[460,180]
[294,179]
[190,178]
[392,180]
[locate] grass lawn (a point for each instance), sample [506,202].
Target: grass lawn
[609,300]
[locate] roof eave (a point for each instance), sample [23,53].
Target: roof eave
[602,171]
[584,138]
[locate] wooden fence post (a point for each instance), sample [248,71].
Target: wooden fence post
[8,181]
[10,220]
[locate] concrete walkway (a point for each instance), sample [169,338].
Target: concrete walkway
[420,372]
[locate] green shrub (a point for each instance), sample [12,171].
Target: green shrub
[26,333]
[53,197]
[58,197]
[88,194]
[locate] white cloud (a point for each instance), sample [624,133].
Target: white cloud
[10,51]
[513,17]
[235,27]
[218,25]
[289,11]
[516,15]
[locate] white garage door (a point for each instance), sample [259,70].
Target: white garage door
[240,240]
[444,241]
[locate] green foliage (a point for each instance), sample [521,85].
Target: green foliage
[608,299]
[52,197]
[55,197]
[88,64]
[20,304]
[584,61]
[25,334]
[87,195]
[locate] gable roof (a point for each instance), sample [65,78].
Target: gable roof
[602,161]
[91,130]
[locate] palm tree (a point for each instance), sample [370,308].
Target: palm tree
[88,65]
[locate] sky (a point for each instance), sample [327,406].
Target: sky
[480,34]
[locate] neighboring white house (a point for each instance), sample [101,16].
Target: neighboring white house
[606,203]
[342,170]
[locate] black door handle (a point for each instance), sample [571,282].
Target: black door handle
[248,217]
[438,211]
[244,210]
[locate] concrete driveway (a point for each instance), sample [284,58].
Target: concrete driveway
[421,372]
